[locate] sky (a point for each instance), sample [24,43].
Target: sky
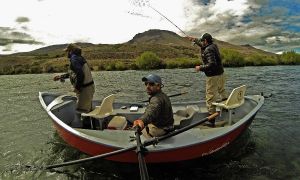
[270,25]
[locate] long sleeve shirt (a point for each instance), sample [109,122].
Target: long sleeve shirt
[159,111]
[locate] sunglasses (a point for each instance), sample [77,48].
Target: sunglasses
[149,83]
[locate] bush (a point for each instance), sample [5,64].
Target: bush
[232,58]
[259,60]
[182,63]
[36,70]
[148,60]
[48,68]
[290,58]
[110,66]
[120,66]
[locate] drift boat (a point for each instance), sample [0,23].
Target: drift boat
[110,126]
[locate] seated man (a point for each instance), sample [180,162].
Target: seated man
[158,115]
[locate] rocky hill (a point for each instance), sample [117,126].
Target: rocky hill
[166,44]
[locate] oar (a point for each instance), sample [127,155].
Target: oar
[172,95]
[181,130]
[140,151]
[146,143]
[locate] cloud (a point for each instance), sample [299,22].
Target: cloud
[22,19]
[260,23]
[9,36]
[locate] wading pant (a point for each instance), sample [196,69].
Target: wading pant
[215,88]
[85,97]
[152,131]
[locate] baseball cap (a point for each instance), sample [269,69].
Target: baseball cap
[152,78]
[206,36]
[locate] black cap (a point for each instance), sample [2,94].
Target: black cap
[206,36]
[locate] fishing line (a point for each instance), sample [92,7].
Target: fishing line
[167,19]
[143,3]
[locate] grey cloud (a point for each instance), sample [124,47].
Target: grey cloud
[22,19]
[202,2]
[7,41]
[258,26]
[9,36]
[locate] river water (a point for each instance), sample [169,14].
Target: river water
[270,149]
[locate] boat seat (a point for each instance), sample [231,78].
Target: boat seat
[117,123]
[104,110]
[101,112]
[184,115]
[60,100]
[235,99]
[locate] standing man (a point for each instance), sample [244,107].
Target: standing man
[214,71]
[81,78]
[158,116]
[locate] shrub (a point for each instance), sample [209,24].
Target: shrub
[259,60]
[120,65]
[290,58]
[48,68]
[182,63]
[232,58]
[148,60]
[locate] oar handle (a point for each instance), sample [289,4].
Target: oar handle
[140,152]
[212,116]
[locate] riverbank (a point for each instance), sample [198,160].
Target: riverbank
[147,60]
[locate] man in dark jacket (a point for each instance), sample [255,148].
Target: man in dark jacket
[81,78]
[158,116]
[213,69]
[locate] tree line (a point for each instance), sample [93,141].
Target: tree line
[150,60]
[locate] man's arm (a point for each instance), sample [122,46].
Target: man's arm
[211,60]
[77,68]
[152,111]
[61,77]
[195,40]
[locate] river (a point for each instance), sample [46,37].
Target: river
[270,149]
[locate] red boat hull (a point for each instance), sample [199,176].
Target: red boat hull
[179,154]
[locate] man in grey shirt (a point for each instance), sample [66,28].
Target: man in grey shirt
[158,115]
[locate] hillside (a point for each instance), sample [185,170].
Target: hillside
[172,39]
[166,44]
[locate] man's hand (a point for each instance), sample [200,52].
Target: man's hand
[56,78]
[190,38]
[138,122]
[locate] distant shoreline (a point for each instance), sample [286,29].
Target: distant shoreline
[121,65]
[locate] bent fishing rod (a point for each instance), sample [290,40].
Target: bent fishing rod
[167,19]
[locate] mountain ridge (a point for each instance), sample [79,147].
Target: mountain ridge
[167,45]
[156,36]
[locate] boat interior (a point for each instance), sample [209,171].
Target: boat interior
[108,114]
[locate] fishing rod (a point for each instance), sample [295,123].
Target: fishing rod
[172,95]
[142,3]
[167,19]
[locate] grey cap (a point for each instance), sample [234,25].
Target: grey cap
[152,78]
